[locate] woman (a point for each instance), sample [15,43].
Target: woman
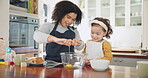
[59,35]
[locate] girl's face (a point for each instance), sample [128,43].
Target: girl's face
[68,19]
[97,33]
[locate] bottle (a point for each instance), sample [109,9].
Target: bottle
[8,56]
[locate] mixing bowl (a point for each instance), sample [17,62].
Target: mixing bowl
[72,59]
[99,65]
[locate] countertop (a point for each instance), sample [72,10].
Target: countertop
[60,72]
[21,50]
[130,55]
[115,52]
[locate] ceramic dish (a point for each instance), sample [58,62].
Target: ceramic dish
[99,65]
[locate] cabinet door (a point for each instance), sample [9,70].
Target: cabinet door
[135,12]
[130,61]
[114,61]
[31,41]
[30,35]
[142,59]
[23,34]
[119,12]
[91,8]
[105,8]
[14,34]
[127,62]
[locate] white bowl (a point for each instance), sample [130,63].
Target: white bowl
[99,65]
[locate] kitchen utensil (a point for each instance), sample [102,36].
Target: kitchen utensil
[51,64]
[99,65]
[73,60]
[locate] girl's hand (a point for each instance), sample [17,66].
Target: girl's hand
[87,61]
[76,42]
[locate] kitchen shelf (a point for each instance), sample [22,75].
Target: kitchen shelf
[14,12]
[105,7]
[12,7]
[119,6]
[136,4]
[91,8]
[120,17]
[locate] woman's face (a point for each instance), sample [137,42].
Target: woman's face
[68,19]
[97,33]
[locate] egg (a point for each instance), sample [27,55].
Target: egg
[69,65]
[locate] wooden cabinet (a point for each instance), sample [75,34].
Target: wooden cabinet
[122,61]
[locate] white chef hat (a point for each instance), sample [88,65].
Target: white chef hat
[100,23]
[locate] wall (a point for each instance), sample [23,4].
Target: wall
[145,25]
[52,4]
[4,20]
[127,38]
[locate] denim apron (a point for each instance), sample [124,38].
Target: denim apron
[53,49]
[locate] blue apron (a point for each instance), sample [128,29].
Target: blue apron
[53,49]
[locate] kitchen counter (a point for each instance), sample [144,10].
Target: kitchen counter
[29,51]
[127,59]
[60,72]
[130,55]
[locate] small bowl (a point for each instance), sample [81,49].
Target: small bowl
[99,65]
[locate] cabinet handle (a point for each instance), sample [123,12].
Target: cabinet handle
[115,60]
[120,60]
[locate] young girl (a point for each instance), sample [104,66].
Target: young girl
[59,35]
[98,47]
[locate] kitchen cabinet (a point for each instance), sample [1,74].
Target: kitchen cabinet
[125,18]
[124,61]
[120,12]
[136,12]
[105,7]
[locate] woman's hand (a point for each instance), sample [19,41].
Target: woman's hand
[62,41]
[76,42]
